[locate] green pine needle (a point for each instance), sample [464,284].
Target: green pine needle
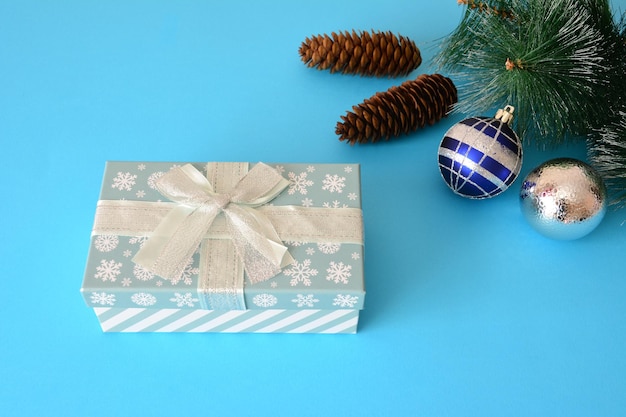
[607,143]
[552,61]
[607,153]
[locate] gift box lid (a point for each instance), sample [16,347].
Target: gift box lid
[322,274]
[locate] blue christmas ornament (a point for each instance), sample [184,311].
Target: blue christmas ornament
[480,157]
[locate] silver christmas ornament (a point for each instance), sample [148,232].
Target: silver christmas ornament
[563,198]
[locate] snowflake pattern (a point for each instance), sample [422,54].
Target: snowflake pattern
[102,298]
[298,183]
[329,248]
[187,276]
[294,243]
[264,300]
[335,204]
[108,270]
[355,256]
[301,272]
[189,272]
[138,239]
[186,299]
[126,282]
[352,196]
[345,300]
[153,178]
[307,202]
[308,300]
[143,299]
[338,272]
[347,169]
[124,181]
[106,243]
[142,274]
[140,194]
[334,183]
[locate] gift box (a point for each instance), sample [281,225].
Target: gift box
[227,247]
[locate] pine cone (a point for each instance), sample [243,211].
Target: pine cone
[400,110]
[378,54]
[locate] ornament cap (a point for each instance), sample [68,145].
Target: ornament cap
[505,115]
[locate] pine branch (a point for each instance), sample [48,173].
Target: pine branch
[556,73]
[607,153]
[607,144]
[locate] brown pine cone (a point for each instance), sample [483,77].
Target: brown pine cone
[400,110]
[377,54]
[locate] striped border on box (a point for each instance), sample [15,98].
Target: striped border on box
[235,321]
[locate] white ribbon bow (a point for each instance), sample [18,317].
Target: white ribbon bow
[172,244]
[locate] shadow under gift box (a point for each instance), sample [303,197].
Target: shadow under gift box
[317,217]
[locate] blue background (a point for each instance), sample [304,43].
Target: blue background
[469,311]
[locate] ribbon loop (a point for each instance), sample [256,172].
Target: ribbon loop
[170,247]
[186,185]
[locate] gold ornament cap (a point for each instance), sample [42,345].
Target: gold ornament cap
[505,115]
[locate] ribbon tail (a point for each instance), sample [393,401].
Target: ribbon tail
[257,243]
